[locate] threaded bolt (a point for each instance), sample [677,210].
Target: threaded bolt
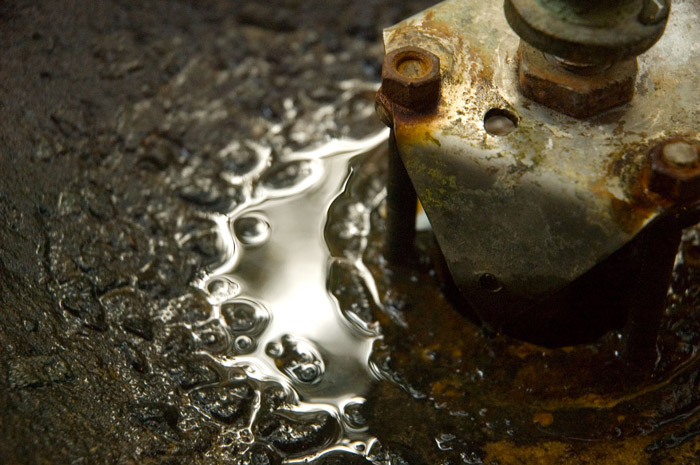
[675,170]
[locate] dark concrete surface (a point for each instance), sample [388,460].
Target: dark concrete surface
[112,117]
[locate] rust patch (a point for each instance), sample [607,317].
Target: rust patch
[676,182]
[577,95]
[415,128]
[411,78]
[543,419]
[651,185]
[558,453]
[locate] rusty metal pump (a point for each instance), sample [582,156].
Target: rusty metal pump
[556,154]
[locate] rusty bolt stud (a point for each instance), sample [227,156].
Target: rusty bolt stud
[675,170]
[578,91]
[411,79]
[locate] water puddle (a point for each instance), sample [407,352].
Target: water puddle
[273,315]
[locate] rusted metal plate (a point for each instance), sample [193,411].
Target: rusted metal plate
[540,206]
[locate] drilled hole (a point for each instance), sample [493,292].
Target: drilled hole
[489,282]
[498,122]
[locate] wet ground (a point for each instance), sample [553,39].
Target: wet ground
[123,125]
[191,264]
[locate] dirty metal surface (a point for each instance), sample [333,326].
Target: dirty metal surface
[546,81]
[593,31]
[540,206]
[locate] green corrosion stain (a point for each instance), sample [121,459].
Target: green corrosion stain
[441,188]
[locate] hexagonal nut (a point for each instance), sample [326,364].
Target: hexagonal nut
[411,78]
[675,170]
[580,93]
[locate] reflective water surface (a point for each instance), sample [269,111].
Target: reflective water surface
[276,319]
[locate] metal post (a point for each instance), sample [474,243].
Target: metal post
[401,204]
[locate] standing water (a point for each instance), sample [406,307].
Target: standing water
[276,320]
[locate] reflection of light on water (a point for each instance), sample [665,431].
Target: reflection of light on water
[278,261]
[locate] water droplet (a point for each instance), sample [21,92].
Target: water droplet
[222,289]
[298,359]
[246,436]
[245,317]
[212,337]
[353,415]
[239,317]
[306,372]
[274,350]
[244,344]
[443,441]
[252,230]
[242,160]
[293,176]
[30,325]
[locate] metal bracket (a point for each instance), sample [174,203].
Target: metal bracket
[524,200]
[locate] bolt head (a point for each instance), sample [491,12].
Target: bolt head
[411,78]
[580,94]
[680,154]
[675,170]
